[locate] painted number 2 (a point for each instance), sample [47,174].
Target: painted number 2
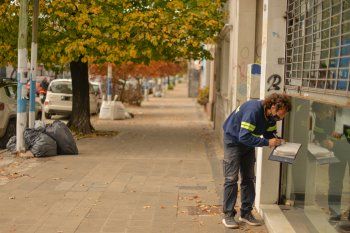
[274,81]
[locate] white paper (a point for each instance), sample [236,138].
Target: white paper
[287,149]
[318,151]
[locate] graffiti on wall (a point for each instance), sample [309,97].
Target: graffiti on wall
[274,82]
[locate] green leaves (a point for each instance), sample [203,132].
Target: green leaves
[116,31]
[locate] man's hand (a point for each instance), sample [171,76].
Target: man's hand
[328,144]
[336,135]
[275,142]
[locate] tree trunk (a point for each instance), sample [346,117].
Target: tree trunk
[80,119]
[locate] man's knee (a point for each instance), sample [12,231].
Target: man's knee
[231,179]
[248,179]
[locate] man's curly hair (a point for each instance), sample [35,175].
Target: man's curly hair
[279,100]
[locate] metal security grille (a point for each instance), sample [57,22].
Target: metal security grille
[318,46]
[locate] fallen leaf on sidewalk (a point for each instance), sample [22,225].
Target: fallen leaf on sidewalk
[15,175]
[56,178]
[12,197]
[27,155]
[96,134]
[162,207]
[15,164]
[147,207]
[204,210]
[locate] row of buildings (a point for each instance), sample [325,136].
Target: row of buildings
[301,48]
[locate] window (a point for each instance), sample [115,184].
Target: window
[61,87]
[318,46]
[317,184]
[11,91]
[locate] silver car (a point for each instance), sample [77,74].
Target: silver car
[8,111]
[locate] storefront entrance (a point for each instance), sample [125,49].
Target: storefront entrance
[315,190]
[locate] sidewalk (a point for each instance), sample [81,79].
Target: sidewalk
[162,173]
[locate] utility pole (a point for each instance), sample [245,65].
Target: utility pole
[22,75]
[33,64]
[109,83]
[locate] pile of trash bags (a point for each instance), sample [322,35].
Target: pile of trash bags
[47,140]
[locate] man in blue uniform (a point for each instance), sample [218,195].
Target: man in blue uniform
[251,125]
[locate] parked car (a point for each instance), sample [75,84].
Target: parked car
[8,111]
[59,98]
[98,91]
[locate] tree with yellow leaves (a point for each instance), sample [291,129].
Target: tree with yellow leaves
[94,31]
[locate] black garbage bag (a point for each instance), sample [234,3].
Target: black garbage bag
[11,145]
[39,143]
[39,125]
[63,137]
[44,145]
[30,136]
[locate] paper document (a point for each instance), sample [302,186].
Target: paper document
[321,154]
[319,151]
[285,153]
[287,149]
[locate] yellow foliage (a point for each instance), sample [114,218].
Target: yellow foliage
[133,53]
[119,30]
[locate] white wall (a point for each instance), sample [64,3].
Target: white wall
[243,19]
[273,47]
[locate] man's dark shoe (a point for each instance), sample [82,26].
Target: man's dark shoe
[230,222]
[249,219]
[334,218]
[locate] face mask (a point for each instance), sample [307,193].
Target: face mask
[273,118]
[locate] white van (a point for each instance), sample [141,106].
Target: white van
[59,98]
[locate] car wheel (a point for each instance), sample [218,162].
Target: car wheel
[10,131]
[47,115]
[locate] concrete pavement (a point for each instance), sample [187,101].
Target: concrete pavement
[161,173]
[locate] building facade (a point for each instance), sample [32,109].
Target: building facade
[303,48]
